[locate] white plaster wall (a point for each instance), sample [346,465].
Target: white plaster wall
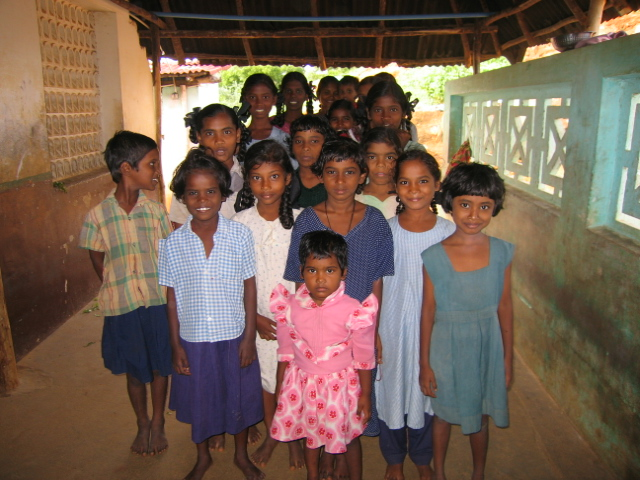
[23,135]
[136,81]
[126,84]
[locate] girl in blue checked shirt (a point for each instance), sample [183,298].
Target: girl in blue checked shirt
[208,265]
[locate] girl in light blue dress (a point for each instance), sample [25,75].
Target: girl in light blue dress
[466,341]
[405,413]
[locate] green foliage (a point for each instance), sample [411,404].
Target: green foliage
[60,186]
[425,83]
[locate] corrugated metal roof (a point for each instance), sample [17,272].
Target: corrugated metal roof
[222,42]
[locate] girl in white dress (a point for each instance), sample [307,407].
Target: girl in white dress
[405,413]
[266,209]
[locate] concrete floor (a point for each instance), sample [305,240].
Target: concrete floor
[71,419]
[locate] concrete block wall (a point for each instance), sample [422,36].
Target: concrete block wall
[72,74]
[564,132]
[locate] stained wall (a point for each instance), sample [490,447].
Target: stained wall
[564,132]
[69,80]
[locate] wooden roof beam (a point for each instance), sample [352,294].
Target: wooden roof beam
[317,40]
[141,12]
[379,40]
[494,35]
[540,33]
[176,42]
[281,59]
[577,12]
[510,11]
[303,32]
[524,26]
[245,41]
[465,40]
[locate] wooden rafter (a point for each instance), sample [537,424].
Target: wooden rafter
[577,12]
[380,39]
[141,12]
[494,35]
[465,40]
[622,6]
[510,11]
[540,33]
[524,26]
[176,42]
[322,32]
[317,40]
[281,59]
[245,40]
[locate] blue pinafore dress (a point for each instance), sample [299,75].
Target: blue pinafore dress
[467,355]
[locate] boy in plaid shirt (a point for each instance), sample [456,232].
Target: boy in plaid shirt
[122,235]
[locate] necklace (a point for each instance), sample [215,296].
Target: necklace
[326,212]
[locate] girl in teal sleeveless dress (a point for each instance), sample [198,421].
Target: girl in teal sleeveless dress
[466,338]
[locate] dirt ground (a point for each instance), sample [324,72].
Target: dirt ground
[71,419]
[429,125]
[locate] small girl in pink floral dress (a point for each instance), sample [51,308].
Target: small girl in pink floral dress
[325,349]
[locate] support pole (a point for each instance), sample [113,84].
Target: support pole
[156,51]
[595,15]
[322,61]
[477,50]
[8,366]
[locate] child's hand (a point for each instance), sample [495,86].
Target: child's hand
[247,351]
[428,383]
[364,408]
[379,347]
[266,327]
[180,361]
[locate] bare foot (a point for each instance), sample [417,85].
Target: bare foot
[342,469]
[199,469]
[216,443]
[325,467]
[262,455]
[140,445]
[394,472]
[296,455]
[158,440]
[248,469]
[424,472]
[254,435]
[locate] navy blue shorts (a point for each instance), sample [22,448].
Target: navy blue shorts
[137,343]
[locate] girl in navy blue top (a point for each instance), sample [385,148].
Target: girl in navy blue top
[342,168]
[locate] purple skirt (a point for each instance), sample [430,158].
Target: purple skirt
[218,396]
[137,343]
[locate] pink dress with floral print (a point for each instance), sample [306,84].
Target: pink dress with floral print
[325,346]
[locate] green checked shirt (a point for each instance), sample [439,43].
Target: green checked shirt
[130,244]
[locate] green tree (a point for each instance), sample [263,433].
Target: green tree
[425,83]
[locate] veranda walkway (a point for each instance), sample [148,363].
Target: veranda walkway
[70,419]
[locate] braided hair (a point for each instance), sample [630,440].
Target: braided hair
[268,151]
[278,120]
[429,162]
